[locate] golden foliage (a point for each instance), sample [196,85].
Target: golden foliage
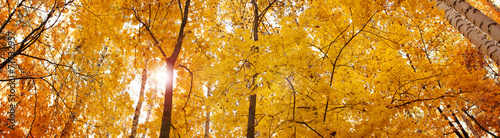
[343,68]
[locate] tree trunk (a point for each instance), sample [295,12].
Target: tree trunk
[485,23]
[470,126]
[166,121]
[253,97]
[466,135]
[478,38]
[251,116]
[137,113]
[207,115]
[78,100]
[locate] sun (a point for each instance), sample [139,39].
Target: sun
[160,78]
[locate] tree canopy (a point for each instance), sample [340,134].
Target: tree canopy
[255,68]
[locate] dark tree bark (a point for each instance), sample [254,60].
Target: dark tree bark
[253,97]
[166,121]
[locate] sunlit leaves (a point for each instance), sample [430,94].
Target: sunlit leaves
[313,75]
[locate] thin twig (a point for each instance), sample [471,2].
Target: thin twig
[345,45]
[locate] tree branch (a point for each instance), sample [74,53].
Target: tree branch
[189,96]
[30,39]
[345,45]
[477,123]
[310,128]
[10,16]
[293,90]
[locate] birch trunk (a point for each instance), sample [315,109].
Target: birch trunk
[68,126]
[470,126]
[450,123]
[482,41]
[466,135]
[137,113]
[207,115]
[485,23]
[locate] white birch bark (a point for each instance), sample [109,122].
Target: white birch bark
[135,121]
[207,114]
[469,125]
[478,18]
[482,41]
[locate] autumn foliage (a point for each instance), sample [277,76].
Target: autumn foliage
[310,68]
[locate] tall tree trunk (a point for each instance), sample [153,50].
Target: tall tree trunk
[166,121]
[251,116]
[470,126]
[478,38]
[253,97]
[485,23]
[137,113]
[207,115]
[466,135]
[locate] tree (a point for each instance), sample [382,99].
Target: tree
[166,120]
[480,20]
[486,24]
[275,68]
[138,107]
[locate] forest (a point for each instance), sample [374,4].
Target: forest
[249,68]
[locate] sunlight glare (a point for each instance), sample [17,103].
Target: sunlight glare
[160,78]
